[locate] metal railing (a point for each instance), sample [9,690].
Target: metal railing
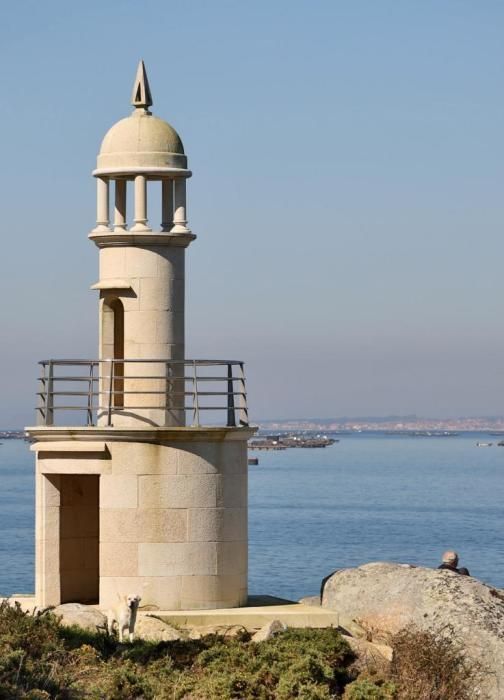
[157,391]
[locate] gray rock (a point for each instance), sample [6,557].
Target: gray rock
[85,616]
[383,598]
[220,630]
[153,629]
[269,630]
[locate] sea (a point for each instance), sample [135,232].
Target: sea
[369,497]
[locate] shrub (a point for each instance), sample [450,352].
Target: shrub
[432,666]
[366,689]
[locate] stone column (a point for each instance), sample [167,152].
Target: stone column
[167,204]
[179,216]
[102,204]
[120,205]
[140,204]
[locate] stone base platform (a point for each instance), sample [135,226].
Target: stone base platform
[259,611]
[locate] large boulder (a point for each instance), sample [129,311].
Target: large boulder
[383,598]
[85,616]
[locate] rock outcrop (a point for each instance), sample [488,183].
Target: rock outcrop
[383,598]
[269,630]
[153,629]
[199,632]
[85,616]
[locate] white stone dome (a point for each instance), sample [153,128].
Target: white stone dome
[141,141]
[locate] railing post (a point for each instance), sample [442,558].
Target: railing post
[168,390]
[110,393]
[90,394]
[195,396]
[231,420]
[41,396]
[242,398]
[49,405]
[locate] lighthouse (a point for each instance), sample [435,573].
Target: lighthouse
[141,453]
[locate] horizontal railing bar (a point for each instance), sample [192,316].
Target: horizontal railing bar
[200,393]
[64,408]
[213,408]
[163,377]
[158,377]
[67,393]
[119,392]
[96,377]
[222,378]
[189,363]
[71,362]
[173,378]
[71,379]
[118,409]
[136,393]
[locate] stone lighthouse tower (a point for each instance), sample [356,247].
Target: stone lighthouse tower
[141,470]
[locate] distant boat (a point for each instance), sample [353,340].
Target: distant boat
[484,444]
[500,444]
[253,460]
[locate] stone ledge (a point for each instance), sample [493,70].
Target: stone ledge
[292,615]
[131,434]
[70,446]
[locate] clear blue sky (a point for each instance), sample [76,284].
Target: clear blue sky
[348,162]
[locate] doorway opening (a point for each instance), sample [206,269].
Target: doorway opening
[113,345]
[79,533]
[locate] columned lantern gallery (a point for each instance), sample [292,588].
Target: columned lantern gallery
[141,453]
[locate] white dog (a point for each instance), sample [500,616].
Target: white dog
[124,614]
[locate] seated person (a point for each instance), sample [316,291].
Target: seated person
[450,562]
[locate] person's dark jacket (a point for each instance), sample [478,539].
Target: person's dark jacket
[450,567]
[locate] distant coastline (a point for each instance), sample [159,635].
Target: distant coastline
[359,424]
[389,424]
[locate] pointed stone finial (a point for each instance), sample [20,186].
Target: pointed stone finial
[141,95]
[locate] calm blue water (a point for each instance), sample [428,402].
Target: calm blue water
[312,511]
[17,517]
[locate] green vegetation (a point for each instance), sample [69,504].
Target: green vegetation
[366,689]
[42,660]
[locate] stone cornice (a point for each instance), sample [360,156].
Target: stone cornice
[148,171]
[130,434]
[133,238]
